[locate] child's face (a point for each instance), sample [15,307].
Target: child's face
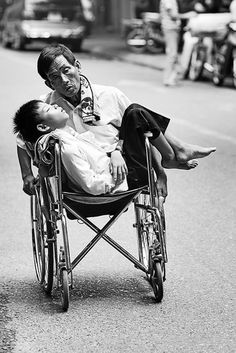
[52,115]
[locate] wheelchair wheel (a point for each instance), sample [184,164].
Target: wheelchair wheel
[42,244]
[142,233]
[37,241]
[157,280]
[64,289]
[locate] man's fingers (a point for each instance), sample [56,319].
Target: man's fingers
[28,191]
[161,200]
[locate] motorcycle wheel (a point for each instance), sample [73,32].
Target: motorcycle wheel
[136,41]
[196,63]
[156,43]
[217,75]
[234,72]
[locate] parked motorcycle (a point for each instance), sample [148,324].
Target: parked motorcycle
[144,34]
[224,60]
[206,29]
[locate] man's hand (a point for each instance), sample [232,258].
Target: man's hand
[28,184]
[118,167]
[161,188]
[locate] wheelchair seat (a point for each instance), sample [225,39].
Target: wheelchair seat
[92,206]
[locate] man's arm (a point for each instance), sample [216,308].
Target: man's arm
[26,171]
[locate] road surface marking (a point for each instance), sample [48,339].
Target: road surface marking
[205,131]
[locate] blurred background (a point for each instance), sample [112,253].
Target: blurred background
[118,27]
[120,43]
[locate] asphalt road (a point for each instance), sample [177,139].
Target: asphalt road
[112,307]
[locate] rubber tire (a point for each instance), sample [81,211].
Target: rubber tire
[154,45]
[136,33]
[49,266]
[5,42]
[234,72]
[42,251]
[217,78]
[18,43]
[64,289]
[49,246]
[157,281]
[37,241]
[196,65]
[143,246]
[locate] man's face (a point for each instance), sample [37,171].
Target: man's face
[64,77]
[52,115]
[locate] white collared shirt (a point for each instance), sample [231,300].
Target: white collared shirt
[85,162]
[111,104]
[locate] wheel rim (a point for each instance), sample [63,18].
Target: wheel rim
[142,231]
[136,41]
[37,240]
[196,66]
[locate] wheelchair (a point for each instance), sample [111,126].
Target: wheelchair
[52,205]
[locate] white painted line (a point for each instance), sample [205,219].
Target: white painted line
[205,131]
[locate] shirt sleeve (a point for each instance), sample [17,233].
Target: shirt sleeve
[20,141]
[122,103]
[81,174]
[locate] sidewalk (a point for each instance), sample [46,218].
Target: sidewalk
[112,46]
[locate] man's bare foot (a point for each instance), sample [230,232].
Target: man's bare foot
[174,164]
[189,152]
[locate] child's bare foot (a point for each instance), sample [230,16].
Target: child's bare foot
[174,164]
[189,152]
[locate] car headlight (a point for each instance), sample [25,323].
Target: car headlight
[74,32]
[25,28]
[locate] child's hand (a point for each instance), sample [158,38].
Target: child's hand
[118,167]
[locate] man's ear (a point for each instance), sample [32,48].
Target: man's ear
[43,128]
[78,65]
[47,83]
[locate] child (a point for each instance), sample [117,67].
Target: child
[86,163]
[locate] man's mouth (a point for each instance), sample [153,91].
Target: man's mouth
[69,88]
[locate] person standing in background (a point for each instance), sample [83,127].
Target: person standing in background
[232,9]
[171,24]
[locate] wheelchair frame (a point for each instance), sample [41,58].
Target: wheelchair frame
[49,205]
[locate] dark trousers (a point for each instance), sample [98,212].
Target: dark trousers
[136,121]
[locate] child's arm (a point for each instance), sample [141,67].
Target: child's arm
[82,174]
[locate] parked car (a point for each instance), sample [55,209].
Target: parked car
[27,21]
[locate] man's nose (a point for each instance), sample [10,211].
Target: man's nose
[64,78]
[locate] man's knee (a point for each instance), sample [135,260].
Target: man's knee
[133,108]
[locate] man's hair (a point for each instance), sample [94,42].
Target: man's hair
[49,54]
[26,119]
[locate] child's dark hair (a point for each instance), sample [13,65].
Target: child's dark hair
[26,119]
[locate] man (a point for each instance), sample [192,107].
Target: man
[94,108]
[171,25]
[86,163]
